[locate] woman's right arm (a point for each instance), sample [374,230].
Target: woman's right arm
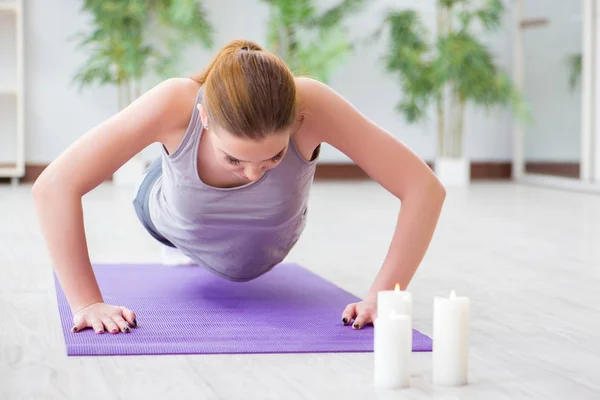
[88,162]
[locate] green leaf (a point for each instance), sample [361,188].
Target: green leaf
[471,69]
[336,14]
[320,57]
[129,40]
[311,43]
[490,15]
[409,55]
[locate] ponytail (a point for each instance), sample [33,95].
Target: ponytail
[231,48]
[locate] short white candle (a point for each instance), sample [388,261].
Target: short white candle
[450,340]
[394,301]
[392,350]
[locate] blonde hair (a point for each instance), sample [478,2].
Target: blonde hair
[248,91]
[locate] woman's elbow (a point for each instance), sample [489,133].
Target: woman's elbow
[46,186]
[38,189]
[435,192]
[439,190]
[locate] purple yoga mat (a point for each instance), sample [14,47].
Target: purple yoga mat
[188,310]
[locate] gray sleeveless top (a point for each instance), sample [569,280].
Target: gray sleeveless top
[238,233]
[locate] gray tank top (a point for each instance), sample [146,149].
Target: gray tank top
[238,233]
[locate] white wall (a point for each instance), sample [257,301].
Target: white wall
[56,113]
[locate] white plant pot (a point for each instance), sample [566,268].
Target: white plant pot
[453,171]
[130,173]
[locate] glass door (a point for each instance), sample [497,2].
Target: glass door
[557,68]
[552,85]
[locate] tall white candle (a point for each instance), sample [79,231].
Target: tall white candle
[450,340]
[392,350]
[396,301]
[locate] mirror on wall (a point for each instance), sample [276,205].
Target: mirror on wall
[552,52]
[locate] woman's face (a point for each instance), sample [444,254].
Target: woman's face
[247,158]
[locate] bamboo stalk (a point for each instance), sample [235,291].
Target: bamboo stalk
[138,88]
[449,21]
[460,127]
[440,125]
[452,126]
[284,45]
[451,134]
[128,91]
[277,44]
[440,97]
[120,94]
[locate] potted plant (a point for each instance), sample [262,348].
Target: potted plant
[130,40]
[312,43]
[450,71]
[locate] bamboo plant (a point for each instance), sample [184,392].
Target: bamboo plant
[574,66]
[450,68]
[130,40]
[311,42]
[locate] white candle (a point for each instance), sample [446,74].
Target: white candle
[450,340]
[397,301]
[392,349]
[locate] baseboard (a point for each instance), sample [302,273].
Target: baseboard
[32,172]
[480,170]
[563,169]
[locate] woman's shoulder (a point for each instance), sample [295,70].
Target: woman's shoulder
[307,88]
[178,97]
[181,83]
[306,137]
[181,90]
[315,99]
[172,98]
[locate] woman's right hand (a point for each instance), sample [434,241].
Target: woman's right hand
[102,317]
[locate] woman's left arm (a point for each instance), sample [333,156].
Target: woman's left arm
[399,170]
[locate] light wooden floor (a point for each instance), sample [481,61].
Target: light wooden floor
[529,259]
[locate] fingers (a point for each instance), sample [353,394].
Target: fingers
[122,324]
[349,313]
[129,316]
[110,325]
[115,325]
[362,313]
[361,320]
[98,326]
[79,326]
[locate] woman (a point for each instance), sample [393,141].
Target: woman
[239,148]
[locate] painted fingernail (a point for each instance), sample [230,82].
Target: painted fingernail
[134,322]
[126,329]
[344,320]
[74,329]
[355,326]
[100,332]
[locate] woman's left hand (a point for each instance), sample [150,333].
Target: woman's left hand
[363,312]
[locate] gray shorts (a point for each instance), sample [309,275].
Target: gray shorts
[142,196]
